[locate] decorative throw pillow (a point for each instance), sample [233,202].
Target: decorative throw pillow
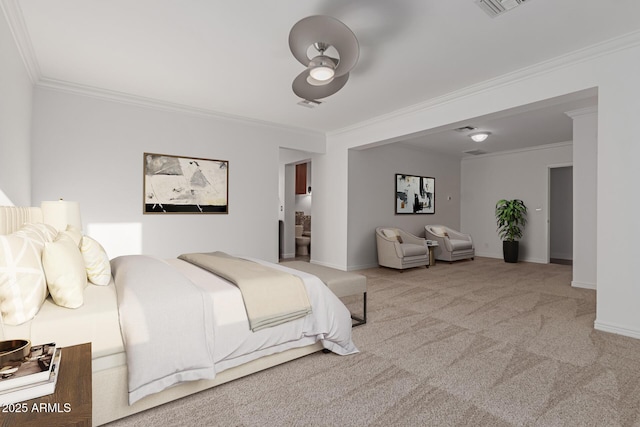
[65,271]
[96,261]
[40,232]
[74,233]
[23,288]
[438,230]
[389,233]
[392,234]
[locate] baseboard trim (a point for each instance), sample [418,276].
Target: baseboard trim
[568,257]
[488,254]
[583,285]
[535,260]
[500,256]
[616,329]
[327,264]
[361,267]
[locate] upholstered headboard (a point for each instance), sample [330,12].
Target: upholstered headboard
[13,217]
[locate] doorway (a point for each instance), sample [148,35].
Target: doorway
[561,215]
[293,200]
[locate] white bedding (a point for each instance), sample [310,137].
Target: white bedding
[330,322]
[234,342]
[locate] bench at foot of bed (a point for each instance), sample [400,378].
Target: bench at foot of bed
[341,283]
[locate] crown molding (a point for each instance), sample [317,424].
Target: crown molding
[13,14]
[152,103]
[582,112]
[588,53]
[520,150]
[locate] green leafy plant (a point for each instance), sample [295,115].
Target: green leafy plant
[511,219]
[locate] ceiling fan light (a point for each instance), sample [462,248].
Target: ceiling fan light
[479,136]
[314,82]
[322,73]
[322,68]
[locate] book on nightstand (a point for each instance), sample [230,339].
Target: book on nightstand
[34,390]
[35,368]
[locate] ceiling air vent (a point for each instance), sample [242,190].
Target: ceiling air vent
[475,152]
[465,129]
[309,104]
[494,8]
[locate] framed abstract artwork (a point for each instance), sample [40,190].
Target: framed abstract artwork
[415,194]
[192,185]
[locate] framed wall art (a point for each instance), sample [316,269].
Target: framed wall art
[415,194]
[192,185]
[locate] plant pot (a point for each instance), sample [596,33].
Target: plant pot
[510,250]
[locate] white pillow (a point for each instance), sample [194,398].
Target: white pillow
[65,271]
[23,288]
[438,230]
[389,233]
[74,233]
[38,231]
[96,261]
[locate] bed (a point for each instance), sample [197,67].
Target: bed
[235,351]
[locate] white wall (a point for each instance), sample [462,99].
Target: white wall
[91,150]
[16,99]
[329,211]
[521,174]
[372,196]
[585,197]
[617,208]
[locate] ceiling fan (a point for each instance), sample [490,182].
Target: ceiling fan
[312,40]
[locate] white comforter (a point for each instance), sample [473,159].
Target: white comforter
[227,341]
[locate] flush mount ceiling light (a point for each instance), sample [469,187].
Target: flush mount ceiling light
[479,136]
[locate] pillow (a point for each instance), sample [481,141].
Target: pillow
[392,234]
[439,231]
[65,271]
[23,288]
[96,261]
[38,231]
[74,233]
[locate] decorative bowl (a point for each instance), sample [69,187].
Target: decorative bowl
[14,351]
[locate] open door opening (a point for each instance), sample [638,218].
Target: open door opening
[561,215]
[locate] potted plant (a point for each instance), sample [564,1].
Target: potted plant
[511,219]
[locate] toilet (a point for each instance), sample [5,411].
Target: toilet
[302,242]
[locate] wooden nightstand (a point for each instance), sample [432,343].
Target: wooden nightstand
[70,405]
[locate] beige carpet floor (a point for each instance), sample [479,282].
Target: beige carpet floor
[472,343]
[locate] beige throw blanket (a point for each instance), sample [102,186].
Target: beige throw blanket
[271,297]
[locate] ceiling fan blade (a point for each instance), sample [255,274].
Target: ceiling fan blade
[328,30]
[307,91]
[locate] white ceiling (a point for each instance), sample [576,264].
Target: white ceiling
[233,57]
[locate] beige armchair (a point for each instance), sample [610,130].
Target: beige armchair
[452,245]
[401,250]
